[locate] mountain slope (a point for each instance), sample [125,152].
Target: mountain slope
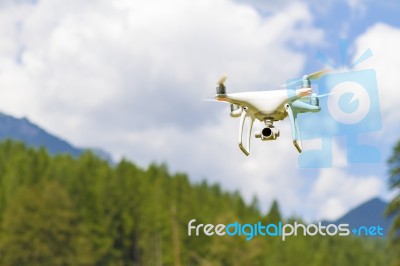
[369,213]
[32,135]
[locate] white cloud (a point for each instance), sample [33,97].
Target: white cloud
[128,76]
[384,42]
[336,190]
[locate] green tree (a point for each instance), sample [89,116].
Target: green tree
[59,210]
[40,227]
[394,206]
[274,215]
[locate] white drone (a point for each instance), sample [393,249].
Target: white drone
[271,106]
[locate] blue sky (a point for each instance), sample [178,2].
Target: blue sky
[128,76]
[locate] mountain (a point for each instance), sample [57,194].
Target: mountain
[32,135]
[369,213]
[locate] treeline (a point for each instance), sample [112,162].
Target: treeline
[64,211]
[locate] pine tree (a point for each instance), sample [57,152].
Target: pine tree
[40,227]
[274,215]
[82,211]
[394,206]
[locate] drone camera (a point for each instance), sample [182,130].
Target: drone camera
[236,110]
[268,133]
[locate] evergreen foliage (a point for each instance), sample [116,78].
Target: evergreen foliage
[394,206]
[65,211]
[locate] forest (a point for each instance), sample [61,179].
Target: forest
[60,210]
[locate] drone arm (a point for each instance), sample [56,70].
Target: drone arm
[295,128]
[244,115]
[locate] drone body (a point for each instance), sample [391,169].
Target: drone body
[271,106]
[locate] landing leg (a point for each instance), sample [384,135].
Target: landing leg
[295,128]
[245,150]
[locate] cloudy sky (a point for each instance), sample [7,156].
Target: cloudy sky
[128,77]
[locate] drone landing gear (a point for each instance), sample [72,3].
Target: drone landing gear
[295,128]
[244,115]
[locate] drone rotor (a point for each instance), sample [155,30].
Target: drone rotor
[221,89]
[222,80]
[306,79]
[316,75]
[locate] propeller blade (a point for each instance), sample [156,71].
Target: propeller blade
[318,96]
[213,100]
[290,84]
[222,80]
[318,74]
[209,100]
[312,76]
[324,95]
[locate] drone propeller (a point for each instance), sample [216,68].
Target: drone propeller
[314,98]
[318,96]
[316,75]
[312,76]
[213,100]
[221,90]
[222,80]
[290,84]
